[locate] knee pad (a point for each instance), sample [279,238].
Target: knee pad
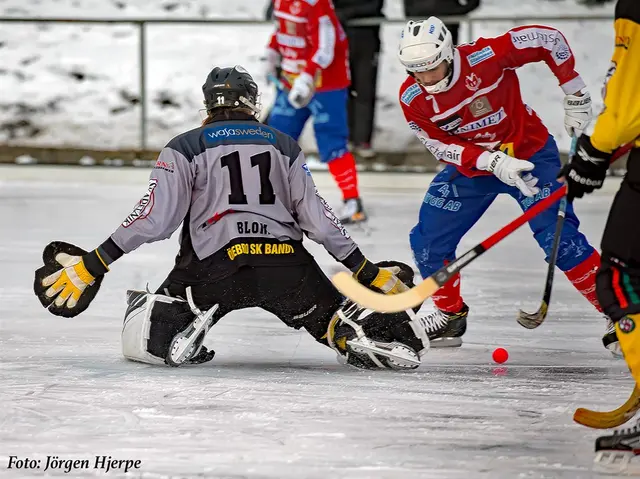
[150,324]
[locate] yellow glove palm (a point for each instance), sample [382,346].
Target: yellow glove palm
[70,281]
[628,331]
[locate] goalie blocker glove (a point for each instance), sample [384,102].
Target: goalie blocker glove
[587,169]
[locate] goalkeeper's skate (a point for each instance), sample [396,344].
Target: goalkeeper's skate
[186,346]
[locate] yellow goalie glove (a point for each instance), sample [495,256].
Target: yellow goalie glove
[69,279]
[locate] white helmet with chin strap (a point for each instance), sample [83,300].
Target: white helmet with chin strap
[423,46]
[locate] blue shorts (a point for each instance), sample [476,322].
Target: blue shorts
[329,112]
[454,203]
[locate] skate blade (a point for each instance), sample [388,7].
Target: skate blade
[615,350]
[446,343]
[183,346]
[400,356]
[616,463]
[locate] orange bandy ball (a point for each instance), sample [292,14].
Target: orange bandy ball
[500,355]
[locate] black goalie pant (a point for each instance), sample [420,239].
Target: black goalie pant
[618,280]
[299,295]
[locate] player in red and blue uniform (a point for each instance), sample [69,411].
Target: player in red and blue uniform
[311,49]
[465,106]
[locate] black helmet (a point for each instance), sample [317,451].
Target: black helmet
[230,87]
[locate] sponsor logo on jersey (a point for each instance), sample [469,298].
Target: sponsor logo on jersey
[410,94]
[444,152]
[164,165]
[561,54]
[610,71]
[450,123]
[144,206]
[480,107]
[480,56]
[221,133]
[472,82]
[545,38]
[306,169]
[328,212]
[489,120]
[485,136]
[623,41]
[290,40]
[414,126]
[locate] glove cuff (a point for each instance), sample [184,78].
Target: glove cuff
[95,264]
[585,144]
[366,272]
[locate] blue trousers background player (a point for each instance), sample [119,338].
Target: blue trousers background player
[454,203]
[328,109]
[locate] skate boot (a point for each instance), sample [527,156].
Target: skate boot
[610,339]
[352,212]
[615,452]
[456,325]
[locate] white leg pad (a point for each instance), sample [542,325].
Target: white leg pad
[137,324]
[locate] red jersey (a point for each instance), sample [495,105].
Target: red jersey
[482,109]
[310,39]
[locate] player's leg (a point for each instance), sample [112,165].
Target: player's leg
[285,118]
[452,205]
[618,288]
[576,257]
[165,328]
[329,111]
[364,49]
[618,280]
[366,339]
[303,297]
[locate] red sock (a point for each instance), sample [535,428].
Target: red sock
[448,297]
[583,277]
[344,172]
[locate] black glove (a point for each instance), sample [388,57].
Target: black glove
[586,170]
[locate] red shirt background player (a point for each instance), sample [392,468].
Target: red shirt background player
[482,108]
[464,104]
[311,49]
[309,39]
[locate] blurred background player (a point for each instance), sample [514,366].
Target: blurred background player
[464,105]
[618,279]
[364,52]
[311,49]
[244,196]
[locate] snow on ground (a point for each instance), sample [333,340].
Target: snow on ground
[78,84]
[273,403]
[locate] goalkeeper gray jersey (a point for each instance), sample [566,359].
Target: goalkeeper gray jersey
[230,180]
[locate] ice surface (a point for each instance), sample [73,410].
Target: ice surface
[77,84]
[273,403]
